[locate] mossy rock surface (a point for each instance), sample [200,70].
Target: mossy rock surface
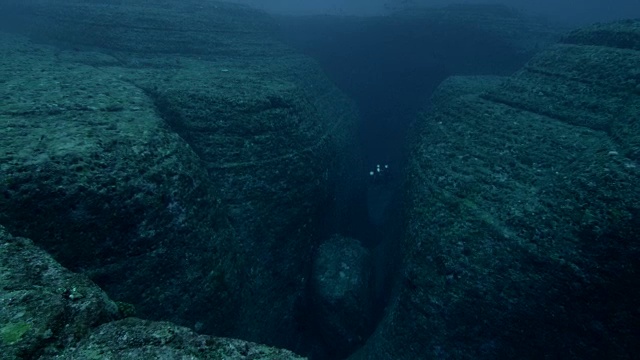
[12,332]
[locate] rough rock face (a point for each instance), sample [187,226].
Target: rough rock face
[181,162]
[342,294]
[94,176]
[524,212]
[43,306]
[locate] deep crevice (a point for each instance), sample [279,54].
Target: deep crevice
[389,68]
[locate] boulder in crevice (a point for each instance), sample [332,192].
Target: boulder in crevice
[342,297]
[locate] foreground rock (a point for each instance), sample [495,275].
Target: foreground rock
[43,306]
[524,212]
[48,312]
[173,153]
[133,339]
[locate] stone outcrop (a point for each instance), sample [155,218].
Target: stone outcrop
[48,312]
[523,212]
[43,306]
[95,177]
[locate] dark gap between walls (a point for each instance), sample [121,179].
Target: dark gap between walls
[389,68]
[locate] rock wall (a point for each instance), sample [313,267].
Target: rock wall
[524,210]
[175,154]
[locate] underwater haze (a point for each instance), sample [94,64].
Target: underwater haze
[319,180]
[558,10]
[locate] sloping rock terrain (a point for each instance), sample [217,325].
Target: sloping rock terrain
[174,154]
[524,212]
[98,179]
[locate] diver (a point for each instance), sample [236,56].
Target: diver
[381,175]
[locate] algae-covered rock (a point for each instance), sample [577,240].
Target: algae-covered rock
[44,306]
[524,211]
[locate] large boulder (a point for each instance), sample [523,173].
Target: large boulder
[48,312]
[523,212]
[175,154]
[44,306]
